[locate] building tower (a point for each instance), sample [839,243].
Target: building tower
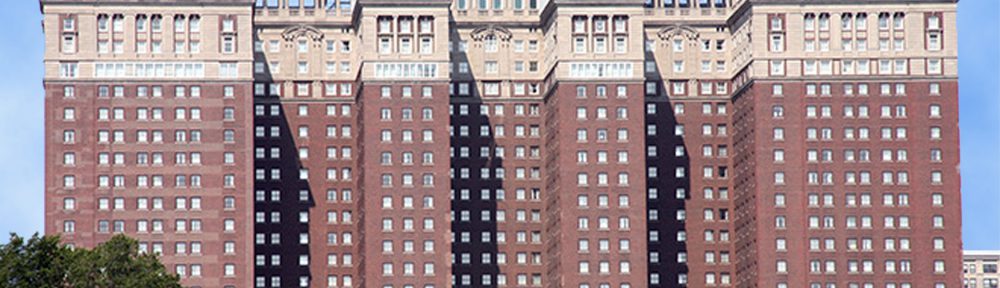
[148,131]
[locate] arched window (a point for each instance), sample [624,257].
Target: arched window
[179,24]
[809,22]
[118,23]
[824,22]
[861,21]
[194,23]
[883,21]
[102,23]
[385,25]
[846,21]
[140,23]
[156,23]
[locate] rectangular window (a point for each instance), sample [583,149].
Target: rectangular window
[777,42]
[69,70]
[69,44]
[777,67]
[228,44]
[934,66]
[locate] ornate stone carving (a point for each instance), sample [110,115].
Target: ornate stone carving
[684,32]
[297,31]
[500,32]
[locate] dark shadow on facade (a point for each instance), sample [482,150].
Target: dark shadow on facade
[474,186]
[287,194]
[745,186]
[666,202]
[663,188]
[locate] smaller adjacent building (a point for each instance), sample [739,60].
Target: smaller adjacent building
[980,269]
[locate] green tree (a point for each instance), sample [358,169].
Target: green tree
[44,262]
[37,262]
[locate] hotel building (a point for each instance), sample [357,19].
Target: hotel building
[510,143]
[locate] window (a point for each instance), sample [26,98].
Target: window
[228,70]
[406,45]
[621,45]
[809,22]
[68,70]
[179,25]
[492,67]
[777,67]
[155,23]
[491,88]
[846,20]
[490,43]
[883,21]
[934,41]
[69,44]
[933,66]
[426,45]
[580,24]
[385,45]
[303,46]
[600,45]
[776,23]
[897,21]
[228,44]
[809,67]
[195,24]
[102,23]
[861,21]
[228,25]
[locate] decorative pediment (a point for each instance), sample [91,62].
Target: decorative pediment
[674,31]
[499,32]
[297,31]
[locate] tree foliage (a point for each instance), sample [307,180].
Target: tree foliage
[45,262]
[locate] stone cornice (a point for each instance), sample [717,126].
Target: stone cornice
[404,3]
[247,3]
[847,2]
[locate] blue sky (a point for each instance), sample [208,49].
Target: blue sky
[22,149]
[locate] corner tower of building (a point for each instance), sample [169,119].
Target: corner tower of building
[148,128]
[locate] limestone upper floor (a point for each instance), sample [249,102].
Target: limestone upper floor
[498,40]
